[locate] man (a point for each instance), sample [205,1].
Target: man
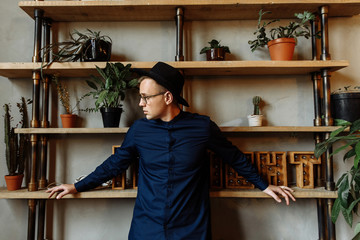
[173,184]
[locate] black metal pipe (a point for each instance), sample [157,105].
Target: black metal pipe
[31,219]
[325,55]
[41,219]
[179,34]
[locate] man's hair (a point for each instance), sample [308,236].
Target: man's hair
[160,88]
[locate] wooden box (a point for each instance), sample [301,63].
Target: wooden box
[234,180]
[304,162]
[272,166]
[216,171]
[127,179]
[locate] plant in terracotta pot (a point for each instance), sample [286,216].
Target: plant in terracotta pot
[282,38]
[348,185]
[16,146]
[89,46]
[69,118]
[344,101]
[256,118]
[109,90]
[215,52]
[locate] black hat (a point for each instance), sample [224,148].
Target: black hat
[168,77]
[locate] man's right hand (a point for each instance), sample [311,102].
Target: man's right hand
[62,190]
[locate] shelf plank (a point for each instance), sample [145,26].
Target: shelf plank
[223,129]
[190,68]
[131,193]
[164,10]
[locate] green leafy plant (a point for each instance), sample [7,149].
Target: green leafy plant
[215,44]
[109,88]
[348,184]
[293,30]
[16,147]
[64,96]
[256,101]
[74,49]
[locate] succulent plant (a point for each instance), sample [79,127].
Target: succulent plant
[256,101]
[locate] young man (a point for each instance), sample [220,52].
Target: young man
[171,145]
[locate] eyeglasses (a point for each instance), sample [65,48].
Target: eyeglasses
[146,98]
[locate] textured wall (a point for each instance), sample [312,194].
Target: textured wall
[226,99]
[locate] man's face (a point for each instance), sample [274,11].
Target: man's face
[152,101]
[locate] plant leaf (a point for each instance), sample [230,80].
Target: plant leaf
[343,191]
[335,210]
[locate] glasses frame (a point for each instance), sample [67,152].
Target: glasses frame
[146,98]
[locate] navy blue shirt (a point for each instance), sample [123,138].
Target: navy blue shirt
[173,185]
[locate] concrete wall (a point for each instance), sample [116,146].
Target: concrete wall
[226,99]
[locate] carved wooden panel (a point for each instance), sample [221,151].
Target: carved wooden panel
[304,162]
[234,180]
[272,167]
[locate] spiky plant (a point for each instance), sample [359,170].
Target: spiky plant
[15,150]
[256,101]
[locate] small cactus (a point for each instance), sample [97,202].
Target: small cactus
[15,149]
[256,101]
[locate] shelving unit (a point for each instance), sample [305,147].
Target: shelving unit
[183,10]
[270,129]
[191,68]
[131,193]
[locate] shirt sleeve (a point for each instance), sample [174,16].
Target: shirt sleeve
[112,166]
[234,157]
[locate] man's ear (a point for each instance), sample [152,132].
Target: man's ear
[169,98]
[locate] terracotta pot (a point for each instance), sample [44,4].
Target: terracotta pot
[14,182]
[68,120]
[215,54]
[282,49]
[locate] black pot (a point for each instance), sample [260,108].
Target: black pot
[111,116]
[346,106]
[95,51]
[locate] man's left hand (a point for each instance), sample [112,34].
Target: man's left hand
[273,191]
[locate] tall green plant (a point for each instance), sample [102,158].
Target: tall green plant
[15,149]
[348,184]
[295,29]
[110,87]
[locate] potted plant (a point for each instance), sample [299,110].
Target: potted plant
[109,89]
[348,184]
[283,38]
[215,52]
[69,118]
[15,147]
[89,46]
[344,101]
[256,118]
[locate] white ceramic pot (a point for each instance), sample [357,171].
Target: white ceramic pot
[255,120]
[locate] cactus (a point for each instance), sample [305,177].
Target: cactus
[15,149]
[256,101]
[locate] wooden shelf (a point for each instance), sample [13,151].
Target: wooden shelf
[131,193]
[223,129]
[164,10]
[190,68]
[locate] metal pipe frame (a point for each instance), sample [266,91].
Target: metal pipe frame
[179,34]
[328,120]
[43,138]
[35,123]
